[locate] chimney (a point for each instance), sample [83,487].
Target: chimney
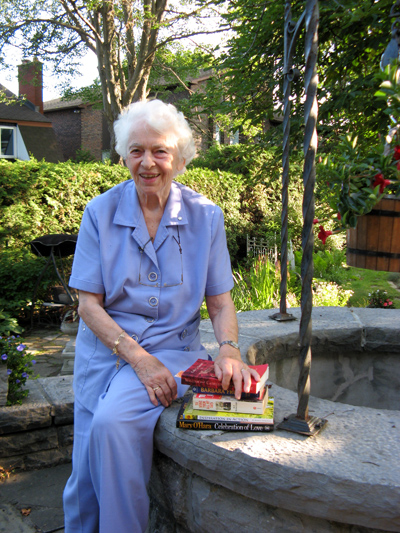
[30,78]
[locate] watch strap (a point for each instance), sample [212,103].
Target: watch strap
[231,343]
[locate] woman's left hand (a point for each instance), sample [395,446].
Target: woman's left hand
[231,368]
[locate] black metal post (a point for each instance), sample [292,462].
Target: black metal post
[301,422]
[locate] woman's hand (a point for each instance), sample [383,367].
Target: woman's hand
[228,365]
[156,377]
[229,368]
[158,380]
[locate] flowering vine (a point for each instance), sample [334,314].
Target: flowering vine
[19,363]
[360,175]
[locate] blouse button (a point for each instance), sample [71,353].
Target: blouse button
[152,276]
[153,301]
[135,337]
[186,349]
[150,319]
[184,333]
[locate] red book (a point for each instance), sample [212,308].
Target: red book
[201,374]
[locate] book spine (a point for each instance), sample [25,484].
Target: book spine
[239,419]
[213,390]
[223,426]
[229,405]
[200,382]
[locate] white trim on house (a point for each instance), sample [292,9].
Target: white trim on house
[15,149]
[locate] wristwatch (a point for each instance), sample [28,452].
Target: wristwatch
[232,343]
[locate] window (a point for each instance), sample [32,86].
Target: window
[7,142]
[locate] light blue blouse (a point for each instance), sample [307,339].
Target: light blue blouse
[152,290]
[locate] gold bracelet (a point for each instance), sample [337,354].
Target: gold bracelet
[115,349]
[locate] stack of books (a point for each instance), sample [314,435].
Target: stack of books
[207,406]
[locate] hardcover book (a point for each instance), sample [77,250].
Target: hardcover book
[229,404]
[267,417]
[244,396]
[201,374]
[217,424]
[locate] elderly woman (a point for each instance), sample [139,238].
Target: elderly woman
[148,251]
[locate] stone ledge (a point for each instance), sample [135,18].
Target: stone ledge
[348,473]
[38,433]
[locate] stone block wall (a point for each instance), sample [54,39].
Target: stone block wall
[38,433]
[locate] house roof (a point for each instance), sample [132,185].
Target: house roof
[19,111]
[59,103]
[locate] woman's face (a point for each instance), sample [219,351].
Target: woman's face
[153,161]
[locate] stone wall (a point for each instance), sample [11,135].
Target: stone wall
[38,433]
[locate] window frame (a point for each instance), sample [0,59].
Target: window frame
[14,132]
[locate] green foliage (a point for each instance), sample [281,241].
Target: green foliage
[39,198]
[19,367]
[258,287]
[328,293]
[84,156]
[329,265]
[19,272]
[8,324]
[258,171]
[224,189]
[380,299]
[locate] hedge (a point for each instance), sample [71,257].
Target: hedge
[39,198]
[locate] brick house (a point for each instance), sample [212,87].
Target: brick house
[82,126]
[24,130]
[78,126]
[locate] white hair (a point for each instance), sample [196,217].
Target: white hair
[162,118]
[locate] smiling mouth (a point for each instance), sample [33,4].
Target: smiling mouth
[149,176]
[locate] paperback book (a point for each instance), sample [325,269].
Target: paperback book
[229,404]
[201,374]
[219,423]
[190,413]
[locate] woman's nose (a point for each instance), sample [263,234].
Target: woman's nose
[147,160]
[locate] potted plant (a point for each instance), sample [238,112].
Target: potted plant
[362,180]
[70,319]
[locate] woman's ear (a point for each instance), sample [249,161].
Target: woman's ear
[181,164]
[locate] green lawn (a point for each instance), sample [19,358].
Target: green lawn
[363,282]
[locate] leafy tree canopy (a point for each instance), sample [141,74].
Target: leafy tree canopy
[125,35]
[353,35]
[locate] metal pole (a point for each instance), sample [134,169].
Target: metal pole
[289,74]
[302,422]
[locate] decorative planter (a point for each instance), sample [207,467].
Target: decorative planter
[3,385]
[375,242]
[70,328]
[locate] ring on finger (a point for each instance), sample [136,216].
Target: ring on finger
[243,369]
[155,389]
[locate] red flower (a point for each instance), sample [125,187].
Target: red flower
[315,221]
[380,180]
[323,235]
[396,154]
[339,216]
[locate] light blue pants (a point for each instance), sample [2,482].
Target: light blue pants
[112,456]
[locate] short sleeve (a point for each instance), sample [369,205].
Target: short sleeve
[86,269]
[219,275]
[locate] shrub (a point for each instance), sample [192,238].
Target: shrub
[380,299]
[19,273]
[39,198]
